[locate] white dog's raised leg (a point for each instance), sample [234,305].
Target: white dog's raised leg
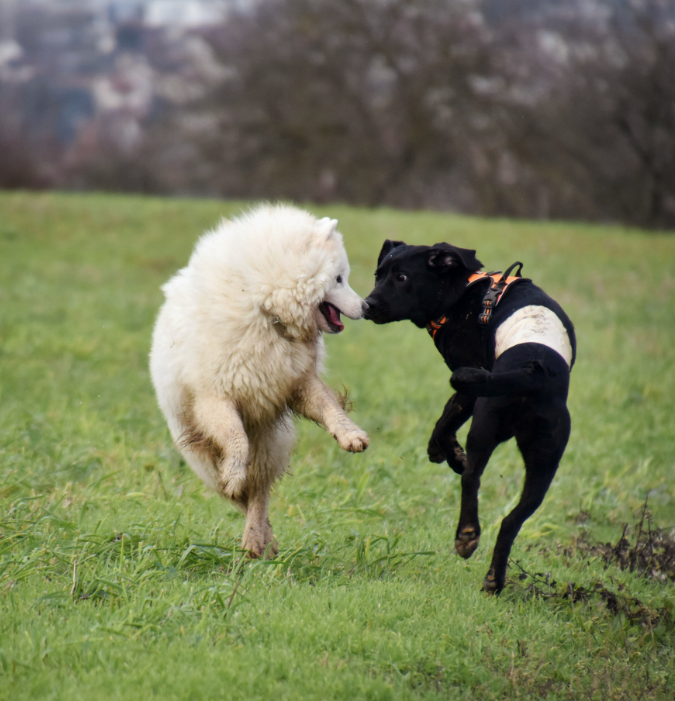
[317,402]
[218,421]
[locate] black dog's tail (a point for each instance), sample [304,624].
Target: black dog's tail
[475,382]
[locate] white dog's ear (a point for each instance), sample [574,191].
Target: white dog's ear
[327,227]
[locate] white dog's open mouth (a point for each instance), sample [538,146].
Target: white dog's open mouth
[332,316]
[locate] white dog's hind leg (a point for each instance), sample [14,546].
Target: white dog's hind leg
[270,452]
[218,421]
[317,402]
[258,536]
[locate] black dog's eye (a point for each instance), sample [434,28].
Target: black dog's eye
[339,279]
[401,277]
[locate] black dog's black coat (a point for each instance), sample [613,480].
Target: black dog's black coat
[521,394]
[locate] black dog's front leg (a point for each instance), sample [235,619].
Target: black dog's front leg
[443,444]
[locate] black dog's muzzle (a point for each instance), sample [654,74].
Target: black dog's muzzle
[377,311]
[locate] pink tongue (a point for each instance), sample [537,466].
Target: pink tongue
[334,316]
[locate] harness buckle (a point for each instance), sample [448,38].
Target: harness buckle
[496,290]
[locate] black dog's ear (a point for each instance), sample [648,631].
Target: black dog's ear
[443,256]
[386,247]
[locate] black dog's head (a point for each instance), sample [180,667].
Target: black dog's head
[418,283]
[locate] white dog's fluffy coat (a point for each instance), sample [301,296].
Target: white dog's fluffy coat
[238,348]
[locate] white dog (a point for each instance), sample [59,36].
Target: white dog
[238,349]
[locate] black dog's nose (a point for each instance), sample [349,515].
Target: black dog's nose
[364,307]
[367,308]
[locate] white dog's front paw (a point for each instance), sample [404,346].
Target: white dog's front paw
[233,479]
[355,441]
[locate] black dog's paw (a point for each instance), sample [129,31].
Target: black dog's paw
[434,452]
[466,541]
[493,583]
[465,378]
[440,450]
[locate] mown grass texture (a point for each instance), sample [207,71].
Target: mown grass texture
[121,577]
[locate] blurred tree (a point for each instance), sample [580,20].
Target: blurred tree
[549,109]
[602,135]
[24,157]
[364,101]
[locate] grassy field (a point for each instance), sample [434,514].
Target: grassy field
[120,576]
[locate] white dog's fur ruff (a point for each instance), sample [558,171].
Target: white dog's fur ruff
[238,348]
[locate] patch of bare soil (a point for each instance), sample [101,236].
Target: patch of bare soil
[651,555]
[634,610]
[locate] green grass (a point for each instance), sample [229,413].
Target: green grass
[120,576]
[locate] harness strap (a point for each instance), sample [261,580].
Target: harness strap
[499,284]
[433,327]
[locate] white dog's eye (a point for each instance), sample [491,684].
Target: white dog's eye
[339,279]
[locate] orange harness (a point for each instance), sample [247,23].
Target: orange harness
[498,286]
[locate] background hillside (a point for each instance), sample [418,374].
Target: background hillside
[546,109]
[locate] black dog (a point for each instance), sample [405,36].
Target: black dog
[510,347]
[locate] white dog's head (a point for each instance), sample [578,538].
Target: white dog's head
[281,261]
[339,298]
[301,270]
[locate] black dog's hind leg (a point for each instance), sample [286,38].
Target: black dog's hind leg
[443,444]
[542,450]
